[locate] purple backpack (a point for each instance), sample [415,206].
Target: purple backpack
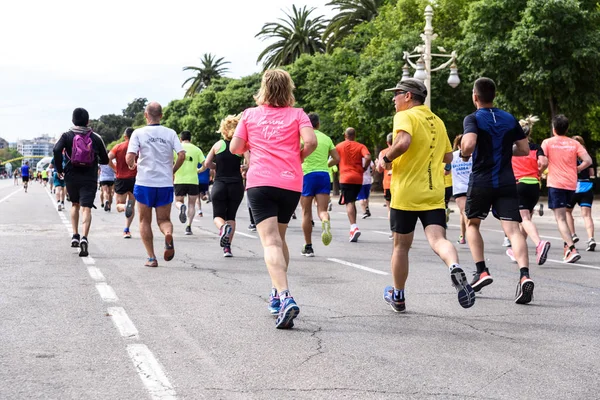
[82,152]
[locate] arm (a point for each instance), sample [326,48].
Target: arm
[467,145]
[209,162]
[310,142]
[180,160]
[238,145]
[400,146]
[542,164]
[521,148]
[58,156]
[586,161]
[335,158]
[592,173]
[111,157]
[246,164]
[448,159]
[366,161]
[102,153]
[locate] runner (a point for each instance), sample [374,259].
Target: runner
[492,136]
[387,176]
[154,145]
[584,196]
[354,161]
[527,172]
[59,185]
[203,183]
[365,190]
[84,150]
[16,177]
[272,132]
[186,181]
[461,170]
[50,175]
[316,186]
[44,177]
[416,157]
[124,182]
[562,153]
[228,186]
[25,175]
[107,185]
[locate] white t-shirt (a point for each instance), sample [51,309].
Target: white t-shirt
[154,145]
[461,171]
[368,175]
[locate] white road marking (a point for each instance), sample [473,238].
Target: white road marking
[8,196]
[123,323]
[151,373]
[88,260]
[383,233]
[106,292]
[247,235]
[96,274]
[375,271]
[574,264]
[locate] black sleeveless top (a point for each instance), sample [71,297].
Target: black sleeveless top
[228,165]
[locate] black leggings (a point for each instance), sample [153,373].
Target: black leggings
[226,199]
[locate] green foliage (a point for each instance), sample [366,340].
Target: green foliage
[8,154]
[350,13]
[136,107]
[211,69]
[110,126]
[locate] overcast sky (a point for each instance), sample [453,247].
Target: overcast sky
[100,55]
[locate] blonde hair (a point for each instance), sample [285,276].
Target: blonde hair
[457,141]
[228,125]
[527,124]
[579,139]
[276,89]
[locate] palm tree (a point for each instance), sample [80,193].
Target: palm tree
[211,68]
[351,13]
[297,35]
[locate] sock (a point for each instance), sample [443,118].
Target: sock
[572,247]
[308,245]
[524,272]
[398,294]
[480,267]
[274,293]
[353,226]
[283,294]
[454,266]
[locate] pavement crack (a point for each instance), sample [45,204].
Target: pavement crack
[491,382]
[319,349]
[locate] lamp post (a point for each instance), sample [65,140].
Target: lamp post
[423,55]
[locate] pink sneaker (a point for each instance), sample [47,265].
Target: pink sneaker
[511,255]
[541,251]
[354,235]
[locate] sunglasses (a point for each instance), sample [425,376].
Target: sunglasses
[400,92]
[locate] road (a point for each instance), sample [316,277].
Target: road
[105,327]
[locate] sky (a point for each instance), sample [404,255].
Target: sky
[100,55]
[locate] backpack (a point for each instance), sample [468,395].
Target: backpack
[82,152]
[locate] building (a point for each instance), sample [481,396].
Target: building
[3,144]
[40,146]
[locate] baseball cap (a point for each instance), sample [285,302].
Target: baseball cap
[412,85]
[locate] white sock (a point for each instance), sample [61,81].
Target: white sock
[453,266]
[353,226]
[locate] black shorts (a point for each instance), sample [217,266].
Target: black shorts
[349,193]
[124,186]
[226,199]
[404,222]
[25,179]
[387,195]
[504,202]
[82,193]
[107,183]
[529,194]
[184,189]
[447,195]
[458,195]
[45,179]
[268,201]
[584,199]
[202,188]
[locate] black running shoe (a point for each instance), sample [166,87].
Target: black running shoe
[83,247]
[182,214]
[308,251]
[106,206]
[129,209]
[75,240]
[524,293]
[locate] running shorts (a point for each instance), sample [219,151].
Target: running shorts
[184,189]
[559,198]
[268,201]
[107,183]
[447,195]
[202,188]
[584,199]
[349,193]
[153,197]
[529,194]
[59,182]
[45,179]
[387,195]
[404,222]
[315,183]
[124,186]
[226,199]
[456,196]
[365,192]
[82,193]
[503,201]
[25,178]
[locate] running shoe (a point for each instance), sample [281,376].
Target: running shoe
[169,247]
[312,222]
[274,303]
[466,294]
[252,228]
[200,213]
[571,256]
[480,280]
[329,206]
[354,235]
[308,251]
[591,245]
[227,252]
[188,230]
[367,214]
[75,240]
[83,247]
[447,215]
[182,214]
[59,207]
[461,240]
[288,311]
[129,209]
[524,293]
[391,237]
[541,210]
[575,238]
[397,305]
[106,207]
[506,242]
[326,234]
[294,215]
[511,255]
[224,235]
[151,262]
[126,234]
[541,251]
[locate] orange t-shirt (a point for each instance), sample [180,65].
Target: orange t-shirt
[351,161]
[562,153]
[387,175]
[123,171]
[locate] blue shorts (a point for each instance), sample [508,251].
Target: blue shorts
[153,197]
[59,182]
[364,193]
[315,183]
[559,198]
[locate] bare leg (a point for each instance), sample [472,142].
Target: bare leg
[436,235]
[191,211]
[402,243]
[570,220]
[75,218]
[163,218]
[517,241]
[145,213]
[322,206]
[560,214]
[586,213]
[232,224]
[351,211]
[529,227]
[475,240]
[306,204]
[274,253]
[461,201]
[86,213]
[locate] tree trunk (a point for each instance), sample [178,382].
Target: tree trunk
[553,110]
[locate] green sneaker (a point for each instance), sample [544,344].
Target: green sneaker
[326,235]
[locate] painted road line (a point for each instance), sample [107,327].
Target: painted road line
[88,260]
[106,292]
[151,373]
[349,264]
[383,233]
[573,264]
[8,196]
[96,274]
[245,234]
[123,323]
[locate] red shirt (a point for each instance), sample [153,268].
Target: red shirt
[351,161]
[123,171]
[527,166]
[387,175]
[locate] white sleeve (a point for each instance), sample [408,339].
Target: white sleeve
[134,144]
[176,143]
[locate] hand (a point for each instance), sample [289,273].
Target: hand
[133,167]
[61,176]
[387,166]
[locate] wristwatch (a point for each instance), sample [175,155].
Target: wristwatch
[386,160]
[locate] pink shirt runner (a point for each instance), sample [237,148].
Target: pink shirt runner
[562,153]
[273,137]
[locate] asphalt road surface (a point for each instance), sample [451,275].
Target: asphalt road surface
[106,327]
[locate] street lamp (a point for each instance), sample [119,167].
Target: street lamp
[423,55]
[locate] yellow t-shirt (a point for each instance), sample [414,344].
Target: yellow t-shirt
[418,175]
[447,179]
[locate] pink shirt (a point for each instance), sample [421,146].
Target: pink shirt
[273,137]
[562,153]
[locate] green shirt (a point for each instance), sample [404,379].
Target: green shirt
[187,174]
[317,161]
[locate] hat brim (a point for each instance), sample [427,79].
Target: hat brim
[391,89]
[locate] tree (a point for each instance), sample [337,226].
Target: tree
[296,35]
[137,106]
[350,14]
[212,68]
[111,126]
